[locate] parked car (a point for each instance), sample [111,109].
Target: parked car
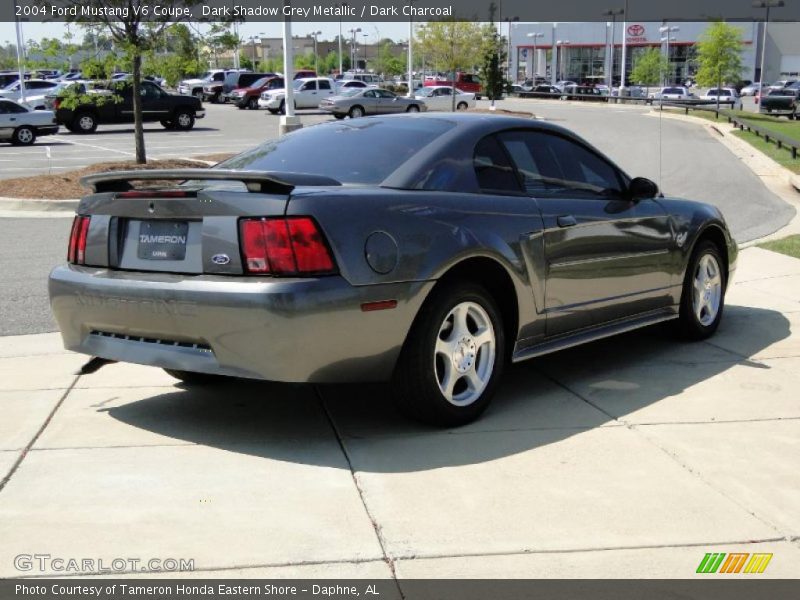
[307,94]
[671,93]
[194,87]
[781,102]
[248,97]
[39,100]
[781,83]
[349,84]
[304,74]
[393,248]
[750,90]
[469,82]
[441,98]
[173,111]
[33,87]
[582,93]
[564,83]
[21,126]
[371,79]
[724,95]
[371,101]
[235,80]
[544,91]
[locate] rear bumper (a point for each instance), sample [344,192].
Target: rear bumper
[303,330]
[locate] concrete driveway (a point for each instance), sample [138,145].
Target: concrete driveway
[631,457]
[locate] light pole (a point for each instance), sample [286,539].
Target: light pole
[533,36]
[410,52]
[353,33]
[624,65]
[613,13]
[314,34]
[668,31]
[765,4]
[366,35]
[253,39]
[343,5]
[508,20]
[20,65]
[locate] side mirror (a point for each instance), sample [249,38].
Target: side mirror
[641,188]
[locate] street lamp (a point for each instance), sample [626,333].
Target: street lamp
[366,35]
[533,36]
[613,13]
[353,33]
[410,51]
[508,20]
[666,29]
[765,4]
[253,39]
[343,5]
[314,34]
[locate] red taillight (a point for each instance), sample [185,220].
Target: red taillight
[56,103]
[290,246]
[76,252]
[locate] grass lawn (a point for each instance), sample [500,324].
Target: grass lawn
[789,246]
[782,156]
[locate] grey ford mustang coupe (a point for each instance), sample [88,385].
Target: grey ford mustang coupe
[425,250]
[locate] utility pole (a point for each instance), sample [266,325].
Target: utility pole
[765,4]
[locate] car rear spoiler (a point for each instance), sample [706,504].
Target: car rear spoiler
[256,181]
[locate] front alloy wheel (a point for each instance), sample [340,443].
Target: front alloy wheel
[703,296]
[453,357]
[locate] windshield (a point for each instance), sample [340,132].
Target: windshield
[337,149]
[261,82]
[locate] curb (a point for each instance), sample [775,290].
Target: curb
[32,204]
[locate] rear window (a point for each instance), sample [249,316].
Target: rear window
[362,151]
[673,91]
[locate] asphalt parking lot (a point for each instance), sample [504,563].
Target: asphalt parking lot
[225,128]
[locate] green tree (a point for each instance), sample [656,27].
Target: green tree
[494,54]
[386,62]
[719,56]
[649,67]
[133,35]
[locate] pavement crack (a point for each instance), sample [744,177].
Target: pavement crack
[375,525]
[36,436]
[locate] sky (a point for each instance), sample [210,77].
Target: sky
[376,31]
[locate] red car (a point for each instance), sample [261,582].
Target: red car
[466,82]
[248,97]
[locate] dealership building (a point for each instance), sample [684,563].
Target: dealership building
[581,51]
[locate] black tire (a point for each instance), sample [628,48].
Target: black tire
[356,112]
[282,107]
[241,106]
[413,108]
[690,324]
[84,122]
[192,378]
[198,94]
[23,136]
[215,99]
[252,104]
[462,106]
[183,120]
[416,385]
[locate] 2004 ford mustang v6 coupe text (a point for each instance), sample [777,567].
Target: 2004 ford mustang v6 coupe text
[426,250]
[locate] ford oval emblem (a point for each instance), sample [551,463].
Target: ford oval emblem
[220,259]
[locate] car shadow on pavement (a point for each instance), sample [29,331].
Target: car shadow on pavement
[539,402]
[131,130]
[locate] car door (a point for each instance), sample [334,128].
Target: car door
[388,102]
[7,120]
[369,99]
[306,96]
[606,256]
[155,102]
[325,89]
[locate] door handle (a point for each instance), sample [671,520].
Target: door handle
[566,221]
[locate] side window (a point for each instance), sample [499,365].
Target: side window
[218,77]
[4,107]
[308,85]
[324,84]
[11,108]
[493,170]
[556,167]
[370,94]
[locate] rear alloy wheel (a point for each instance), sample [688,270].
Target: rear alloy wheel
[252,104]
[413,108]
[23,136]
[85,123]
[356,112]
[184,120]
[282,107]
[703,296]
[192,378]
[462,106]
[453,357]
